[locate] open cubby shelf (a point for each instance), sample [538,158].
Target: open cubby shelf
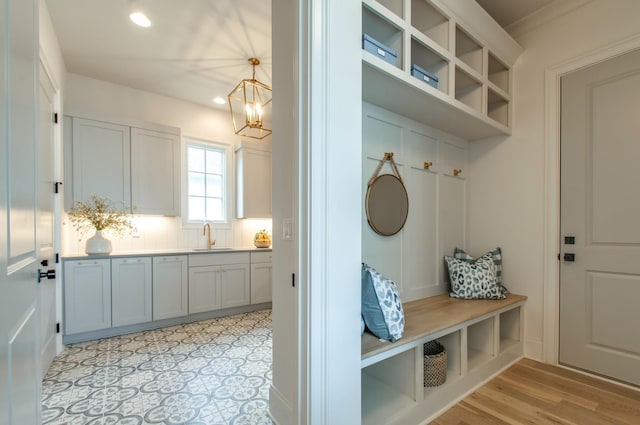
[474,76]
[481,337]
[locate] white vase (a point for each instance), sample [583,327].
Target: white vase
[98,244]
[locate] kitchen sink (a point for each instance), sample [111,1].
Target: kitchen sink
[213,248]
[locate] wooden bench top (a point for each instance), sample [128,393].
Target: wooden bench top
[431,315]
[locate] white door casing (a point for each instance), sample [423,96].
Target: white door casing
[45,218]
[599,207]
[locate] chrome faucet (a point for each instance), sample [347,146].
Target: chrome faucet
[206,231]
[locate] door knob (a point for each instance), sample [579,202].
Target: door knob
[569,256]
[49,274]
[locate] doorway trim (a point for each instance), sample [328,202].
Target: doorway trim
[551,247]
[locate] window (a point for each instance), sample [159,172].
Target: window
[206,183]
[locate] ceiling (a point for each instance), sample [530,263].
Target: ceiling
[507,12]
[193,53]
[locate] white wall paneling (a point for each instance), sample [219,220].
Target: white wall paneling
[436,223]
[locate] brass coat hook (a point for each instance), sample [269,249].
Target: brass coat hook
[427,165]
[457,172]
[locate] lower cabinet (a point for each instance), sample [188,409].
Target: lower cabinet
[87,295]
[100,294]
[218,281]
[131,291]
[170,287]
[204,289]
[261,277]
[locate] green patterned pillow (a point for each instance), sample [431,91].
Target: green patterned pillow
[474,281]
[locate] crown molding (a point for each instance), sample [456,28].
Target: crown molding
[542,16]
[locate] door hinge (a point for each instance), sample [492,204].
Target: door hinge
[293,280]
[58,327]
[55,118]
[56,187]
[57,257]
[558,256]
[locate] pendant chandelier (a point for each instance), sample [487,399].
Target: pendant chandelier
[248,104]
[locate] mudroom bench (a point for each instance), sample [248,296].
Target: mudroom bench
[481,338]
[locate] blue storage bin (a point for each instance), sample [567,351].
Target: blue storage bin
[373,46]
[425,76]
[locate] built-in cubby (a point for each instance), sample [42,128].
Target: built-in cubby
[480,343]
[432,62]
[390,386]
[430,22]
[468,90]
[497,107]
[452,345]
[469,53]
[510,329]
[395,6]
[498,73]
[481,338]
[468,50]
[384,31]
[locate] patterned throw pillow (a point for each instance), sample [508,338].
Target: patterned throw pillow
[496,255]
[474,281]
[381,305]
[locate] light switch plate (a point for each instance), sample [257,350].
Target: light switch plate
[287,229]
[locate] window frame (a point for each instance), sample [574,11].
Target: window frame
[227,186]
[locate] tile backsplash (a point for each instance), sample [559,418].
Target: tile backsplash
[156,232]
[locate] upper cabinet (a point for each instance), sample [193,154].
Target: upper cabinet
[452,65]
[155,172]
[101,161]
[136,166]
[253,180]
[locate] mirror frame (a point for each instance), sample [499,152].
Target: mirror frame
[371,220]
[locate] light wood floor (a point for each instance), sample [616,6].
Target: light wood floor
[535,393]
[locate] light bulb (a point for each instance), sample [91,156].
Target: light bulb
[140,19]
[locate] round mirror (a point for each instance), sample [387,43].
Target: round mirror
[387,205]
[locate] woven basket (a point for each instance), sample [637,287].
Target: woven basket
[435,364]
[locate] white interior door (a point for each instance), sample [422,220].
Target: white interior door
[600,207]
[20,401]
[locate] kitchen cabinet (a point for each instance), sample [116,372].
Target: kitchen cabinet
[101,161]
[155,172]
[123,293]
[217,281]
[133,166]
[131,290]
[261,280]
[170,287]
[87,295]
[253,180]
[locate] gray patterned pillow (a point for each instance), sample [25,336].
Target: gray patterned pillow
[475,280]
[496,255]
[381,305]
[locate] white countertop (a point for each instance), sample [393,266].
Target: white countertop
[158,252]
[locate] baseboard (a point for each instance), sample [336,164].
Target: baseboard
[533,349]
[280,409]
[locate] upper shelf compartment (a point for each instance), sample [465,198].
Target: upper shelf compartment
[453,68]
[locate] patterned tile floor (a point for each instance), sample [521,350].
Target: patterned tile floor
[213,372]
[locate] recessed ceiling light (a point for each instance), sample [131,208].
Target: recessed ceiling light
[219,100]
[140,19]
